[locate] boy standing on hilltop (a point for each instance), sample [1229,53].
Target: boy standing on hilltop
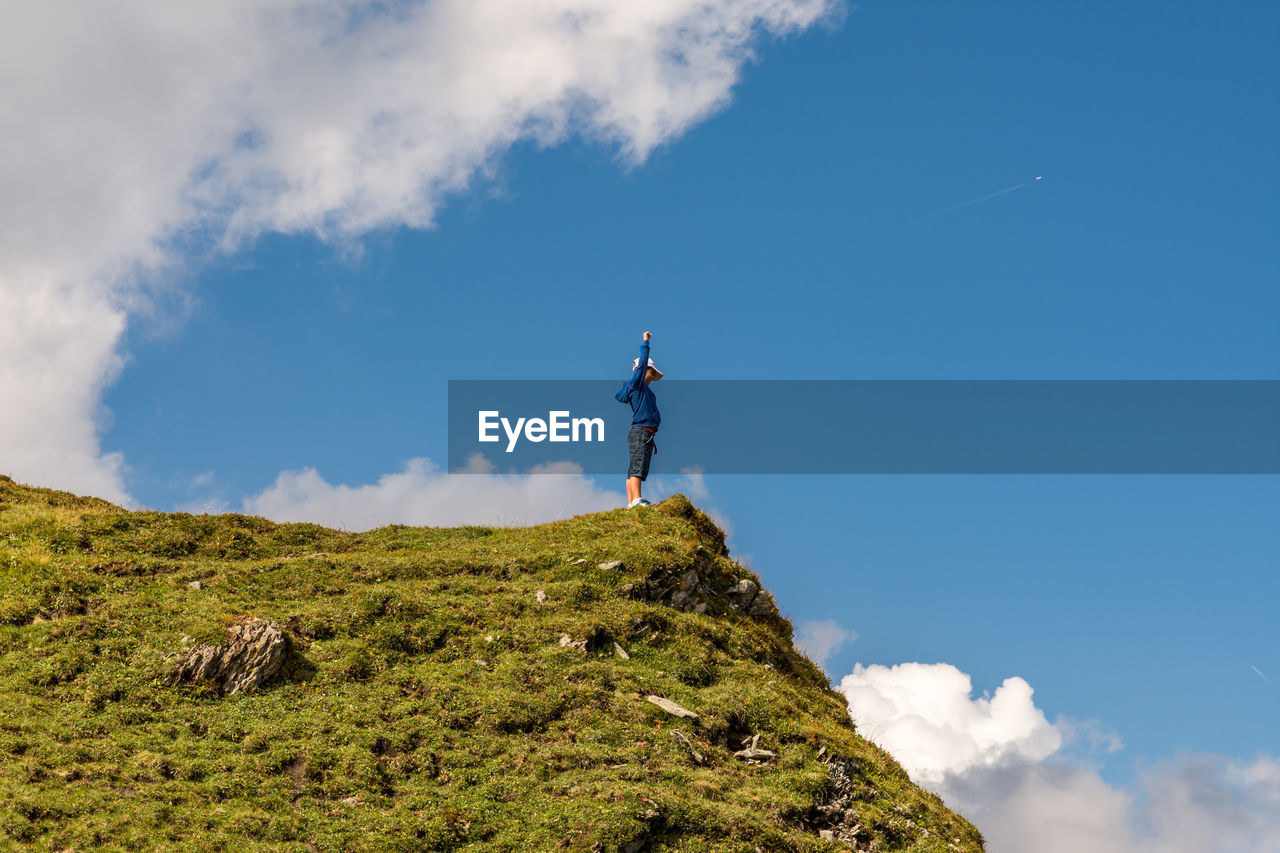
[645,419]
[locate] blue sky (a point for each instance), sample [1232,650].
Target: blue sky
[809,229]
[797,235]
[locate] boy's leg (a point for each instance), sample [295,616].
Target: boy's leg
[635,466]
[632,466]
[646,454]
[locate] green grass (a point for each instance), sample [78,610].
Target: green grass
[426,703]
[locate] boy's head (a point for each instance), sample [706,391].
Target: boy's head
[652,373]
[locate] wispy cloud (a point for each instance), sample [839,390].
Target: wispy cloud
[820,639]
[200,481]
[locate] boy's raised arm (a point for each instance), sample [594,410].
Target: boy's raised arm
[643,366]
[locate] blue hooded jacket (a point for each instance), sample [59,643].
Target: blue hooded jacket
[644,406]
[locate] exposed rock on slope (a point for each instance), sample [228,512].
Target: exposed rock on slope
[252,655]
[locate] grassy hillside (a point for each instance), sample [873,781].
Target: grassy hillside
[429,699]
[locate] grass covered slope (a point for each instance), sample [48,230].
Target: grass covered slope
[427,701]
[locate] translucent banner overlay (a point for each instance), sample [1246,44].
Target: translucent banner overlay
[875,426]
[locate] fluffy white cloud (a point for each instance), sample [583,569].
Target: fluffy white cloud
[424,495]
[136,134]
[57,354]
[999,762]
[820,639]
[925,716]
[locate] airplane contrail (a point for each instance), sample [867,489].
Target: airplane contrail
[988,196]
[1260,675]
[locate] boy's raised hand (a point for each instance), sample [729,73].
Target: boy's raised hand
[648,335]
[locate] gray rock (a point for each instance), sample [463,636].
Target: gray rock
[620,651]
[826,835]
[836,813]
[540,596]
[567,642]
[671,707]
[254,652]
[742,594]
[762,605]
[693,752]
[194,585]
[612,565]
[754,754]
[703,588]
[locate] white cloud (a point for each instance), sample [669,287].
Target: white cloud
[424,495]
[820,639]
[1000,763]
[136,135]
[1043,808]
[57,354]
[211,505]
[925,716]
[201,481]
[694,484]
[1193,804]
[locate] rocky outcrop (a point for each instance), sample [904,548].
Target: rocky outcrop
[834,818]
[711,585]
[747,596]
[254,651]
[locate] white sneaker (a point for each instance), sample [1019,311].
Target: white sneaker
[635,502]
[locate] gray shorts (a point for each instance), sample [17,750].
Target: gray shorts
[640,449]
